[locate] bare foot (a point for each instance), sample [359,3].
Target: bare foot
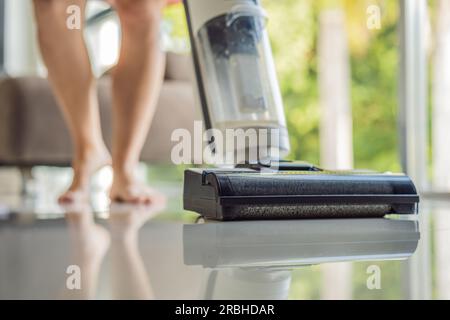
[83,169]
[129,190]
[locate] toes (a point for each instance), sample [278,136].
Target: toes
[126,199]
[72,197]
[142,196]
[147,198]
[66,198]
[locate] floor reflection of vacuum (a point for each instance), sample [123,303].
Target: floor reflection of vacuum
[238,89]
[254,259]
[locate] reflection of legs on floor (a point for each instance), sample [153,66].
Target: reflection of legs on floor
[90,243]
[137,80]
[129,276]
[130,279]
[69,72]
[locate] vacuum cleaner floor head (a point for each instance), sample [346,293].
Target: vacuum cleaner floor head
[247,194]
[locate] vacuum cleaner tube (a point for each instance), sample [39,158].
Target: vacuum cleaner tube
[240,83]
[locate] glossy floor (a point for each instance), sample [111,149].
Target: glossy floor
[155,252]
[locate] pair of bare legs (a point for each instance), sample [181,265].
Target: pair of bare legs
[90,242]
[137,79]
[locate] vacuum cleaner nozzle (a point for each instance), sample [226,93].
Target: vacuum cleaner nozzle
[248,194]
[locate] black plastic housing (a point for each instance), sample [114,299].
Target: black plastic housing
[247,194]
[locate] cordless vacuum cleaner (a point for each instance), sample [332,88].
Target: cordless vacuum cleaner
[239,93]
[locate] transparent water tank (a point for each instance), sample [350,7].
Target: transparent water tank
[239,76]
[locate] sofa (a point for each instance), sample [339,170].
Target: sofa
[32,130]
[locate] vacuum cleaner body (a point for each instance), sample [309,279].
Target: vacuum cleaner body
[238,90]
[236,78]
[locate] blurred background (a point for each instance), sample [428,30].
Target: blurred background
[365,84]
[342,68]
